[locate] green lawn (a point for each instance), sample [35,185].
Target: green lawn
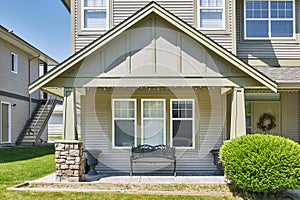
[19,164]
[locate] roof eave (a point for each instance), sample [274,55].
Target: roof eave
[25,46]
[67,4]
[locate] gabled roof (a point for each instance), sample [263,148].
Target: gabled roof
[13,39]
[172,19]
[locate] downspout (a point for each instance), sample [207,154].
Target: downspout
[29,81]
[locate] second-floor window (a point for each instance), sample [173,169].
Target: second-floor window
[95,14]
[268,19]
[211,14]
[14,63]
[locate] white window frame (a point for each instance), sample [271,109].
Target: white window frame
[163,118]
[14,63]
[95,8]
[211,8]
[9,122]
[193,123]
[115,118]
[269,19]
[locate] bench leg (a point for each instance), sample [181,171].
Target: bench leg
[175,168]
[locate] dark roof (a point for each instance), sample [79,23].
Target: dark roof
[281,74]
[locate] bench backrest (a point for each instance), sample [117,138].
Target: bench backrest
[144,151]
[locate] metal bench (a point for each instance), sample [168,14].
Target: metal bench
[140,154]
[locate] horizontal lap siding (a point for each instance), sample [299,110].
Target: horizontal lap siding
[123,9]
[225,40]
[249,49]
[97,131]
[292,115]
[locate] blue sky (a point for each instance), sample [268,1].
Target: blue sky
[45,24]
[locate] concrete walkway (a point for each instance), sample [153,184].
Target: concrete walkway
[105,178]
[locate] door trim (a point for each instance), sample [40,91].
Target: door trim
[9,122]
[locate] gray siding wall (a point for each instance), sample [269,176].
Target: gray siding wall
[19,115]
[291,111]
[11,82]
[265,49]
[226,39]
[96,119]
[122,9]
[17,84]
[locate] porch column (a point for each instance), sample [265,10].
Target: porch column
[238,123]
[69,115]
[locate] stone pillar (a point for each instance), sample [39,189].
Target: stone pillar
[69,158]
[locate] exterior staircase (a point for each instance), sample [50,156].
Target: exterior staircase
[34,128]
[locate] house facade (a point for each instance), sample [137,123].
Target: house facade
[187,73]
[19,66]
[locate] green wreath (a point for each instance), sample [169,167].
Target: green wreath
[266,127]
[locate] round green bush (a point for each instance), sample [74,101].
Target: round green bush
[262,163]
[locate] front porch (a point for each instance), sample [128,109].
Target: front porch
[154,80]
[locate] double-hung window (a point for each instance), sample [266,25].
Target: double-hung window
[153,121]
[14,63]
[182,123]
[211,14]
[95,14]
[124,123]
[268,19]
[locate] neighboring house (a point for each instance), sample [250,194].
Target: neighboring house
[55,123]
[190,74]
[19,66]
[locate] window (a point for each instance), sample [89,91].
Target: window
[124,123]
[153,121]
[14,63]
[211,14]
[182,123]
[95,14]
[268,19]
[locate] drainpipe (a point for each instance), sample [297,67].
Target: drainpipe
[29,81]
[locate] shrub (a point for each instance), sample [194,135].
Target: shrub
[262,163]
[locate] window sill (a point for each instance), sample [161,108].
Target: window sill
[211,32]
[271,41]
[92,32]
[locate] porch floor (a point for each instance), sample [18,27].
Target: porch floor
[111,178]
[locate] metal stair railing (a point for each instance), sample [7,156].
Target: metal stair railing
[27,125]
[37,129]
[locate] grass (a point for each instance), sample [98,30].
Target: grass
[18,164]
[54,138]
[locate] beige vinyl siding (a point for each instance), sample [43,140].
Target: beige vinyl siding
[252,49]
[225,39]
[19,115]
[17,84]
[12,82]
[208,125]
[122,9]
[291,115]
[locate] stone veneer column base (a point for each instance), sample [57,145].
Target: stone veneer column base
[69,159]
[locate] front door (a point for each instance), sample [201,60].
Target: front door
[266,117]
[5,123]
